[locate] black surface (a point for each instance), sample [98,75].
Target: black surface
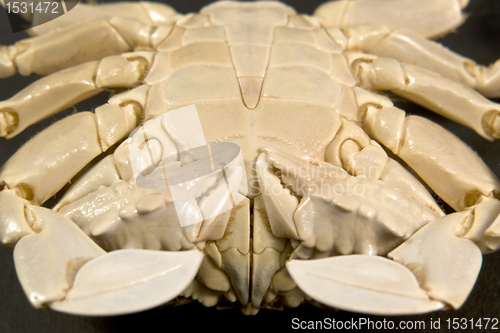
[478,38]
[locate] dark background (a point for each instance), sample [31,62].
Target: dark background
[478,38]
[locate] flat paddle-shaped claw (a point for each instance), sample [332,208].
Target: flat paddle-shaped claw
[127,281]
[362,283]
[447,266]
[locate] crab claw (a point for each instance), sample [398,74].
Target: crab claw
[362,283]
[446,265]
[64,269]
[128,281]
[47,261]
[280,204]
[337,213]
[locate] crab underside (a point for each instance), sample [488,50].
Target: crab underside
[250,159]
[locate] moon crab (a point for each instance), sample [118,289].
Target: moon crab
[330,213]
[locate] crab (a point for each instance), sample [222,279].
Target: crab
[349,117]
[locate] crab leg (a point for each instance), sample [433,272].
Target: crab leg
[71,46]
[459,238]
[89,40]
[60,90]
[441,95]
[450,276]
[13,223]
[446,164]
[57,248]
[429,18]
[146,13]
[353,150]
[410,47]
[42,167]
